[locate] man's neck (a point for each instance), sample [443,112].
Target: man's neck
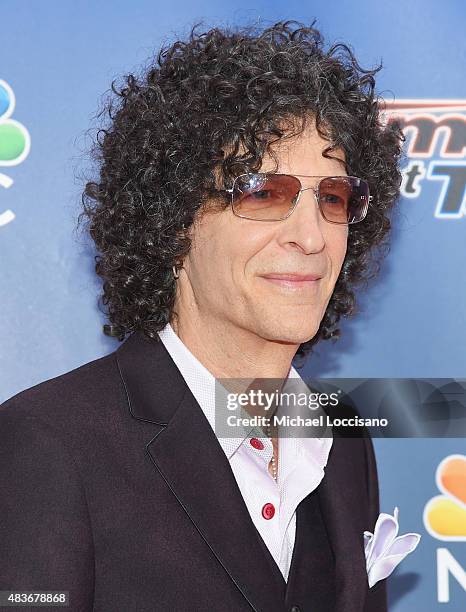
[232,352]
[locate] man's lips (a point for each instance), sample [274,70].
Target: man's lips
[293,277]
[293,281]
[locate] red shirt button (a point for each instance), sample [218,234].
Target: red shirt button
[268,511]
[256,443]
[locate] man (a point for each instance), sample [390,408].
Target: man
[233,219]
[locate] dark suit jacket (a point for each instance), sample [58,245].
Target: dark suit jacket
[114,487]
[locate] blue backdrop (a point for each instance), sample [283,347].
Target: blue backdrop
[57,58]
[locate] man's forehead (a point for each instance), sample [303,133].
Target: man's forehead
[287,158]
[307,143]
[299,141]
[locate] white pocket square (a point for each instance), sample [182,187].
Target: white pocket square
[385,549]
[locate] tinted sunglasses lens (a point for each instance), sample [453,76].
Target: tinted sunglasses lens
[343,199]
[265,197]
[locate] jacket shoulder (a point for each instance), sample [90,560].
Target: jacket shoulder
[63,397]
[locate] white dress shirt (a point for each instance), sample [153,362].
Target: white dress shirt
[301,461]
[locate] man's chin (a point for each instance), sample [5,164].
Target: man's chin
[289,334]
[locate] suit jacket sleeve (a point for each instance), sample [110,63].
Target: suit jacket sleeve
[45,533]
[376,600]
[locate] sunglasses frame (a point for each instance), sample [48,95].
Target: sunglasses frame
[315,190]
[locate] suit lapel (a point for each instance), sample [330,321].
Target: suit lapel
[340,497]
[186,453]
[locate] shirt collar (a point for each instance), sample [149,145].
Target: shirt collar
[202,385]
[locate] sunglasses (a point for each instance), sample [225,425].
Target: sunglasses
[342,200]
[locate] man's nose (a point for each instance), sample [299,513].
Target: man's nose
[304,225]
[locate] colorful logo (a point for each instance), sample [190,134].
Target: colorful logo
[445,515]
[435,132]
[15,142]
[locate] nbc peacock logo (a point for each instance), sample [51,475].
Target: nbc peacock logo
[15,142]
[445,515]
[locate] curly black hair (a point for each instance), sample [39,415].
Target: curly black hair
[211,107]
